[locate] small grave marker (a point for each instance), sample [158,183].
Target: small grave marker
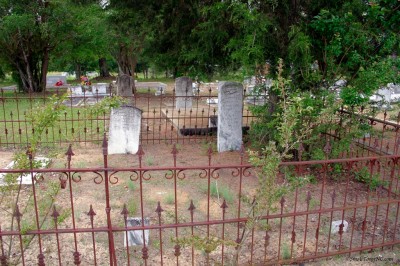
[135,237]
[336,226]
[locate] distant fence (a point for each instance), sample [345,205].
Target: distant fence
[382,138]
[82,215]
[161,121]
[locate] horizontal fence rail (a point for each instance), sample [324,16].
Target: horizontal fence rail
[161,121]
[382,137]
[195,213]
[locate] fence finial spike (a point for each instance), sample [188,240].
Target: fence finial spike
[282,202]
[210,150]
[17,214]
[69,152]
[140,151]
[174,150]
[91,212]
[125,212]
[242,150]
[191,207]
[159,210]
[224,205]
[55,213]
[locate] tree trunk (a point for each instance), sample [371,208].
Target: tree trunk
[28,72]
[103,68]
[78,71]
[45,67]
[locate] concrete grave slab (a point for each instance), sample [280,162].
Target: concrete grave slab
[25,179]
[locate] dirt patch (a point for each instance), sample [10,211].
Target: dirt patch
[148,177]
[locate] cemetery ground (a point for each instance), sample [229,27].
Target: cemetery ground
[335,188]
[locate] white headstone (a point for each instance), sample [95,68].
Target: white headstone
[124,130]
[183,92]
[230,100]
[76,90]
[99,89]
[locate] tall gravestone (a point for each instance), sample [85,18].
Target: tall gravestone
[125,121]
[183,92]
[230,104]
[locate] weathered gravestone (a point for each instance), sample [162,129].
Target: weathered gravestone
[125,122]
[183,92]
[230,98]
[135,237]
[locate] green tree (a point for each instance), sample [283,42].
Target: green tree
[29,31]
[86,44]
[130,26]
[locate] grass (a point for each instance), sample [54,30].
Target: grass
[206,145]
[132,207]
[131,185]
[149,160]
[285,251]
[169,199]
[219,191]
[6,83]
[145,90]
[74,124]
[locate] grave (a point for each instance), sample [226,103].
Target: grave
[135,237]
[230,110]
[26,179]
[125,122]
[159,86]
[96,93]
[100,89]
[202,119]
[52,80]
[183,93]
[87,94]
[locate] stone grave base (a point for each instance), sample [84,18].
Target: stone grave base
[25,179]
[193,122]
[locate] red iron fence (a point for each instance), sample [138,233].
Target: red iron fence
[161,121]
[198,209]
